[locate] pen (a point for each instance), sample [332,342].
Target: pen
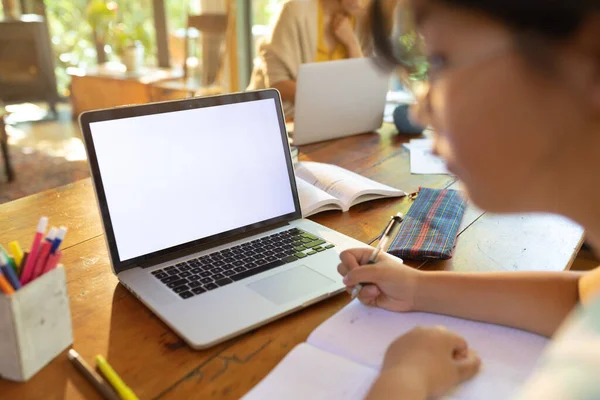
[27,270]
[43,254]
[60,236]
[17,253]
[125,393]
[92,376]
[387,233]
[9,273]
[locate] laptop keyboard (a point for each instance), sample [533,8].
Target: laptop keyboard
[221,268]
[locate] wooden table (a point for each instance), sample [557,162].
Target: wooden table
[108,320]
[110,85]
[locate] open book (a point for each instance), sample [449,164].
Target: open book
[341,358]
[323,187]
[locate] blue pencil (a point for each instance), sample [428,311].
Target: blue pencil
[60,236]
[9,273]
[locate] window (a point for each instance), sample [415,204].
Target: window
[264,16]
[71,38]
[117,22]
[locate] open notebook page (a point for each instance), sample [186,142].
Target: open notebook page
[341,183]
[362,334]
[313,200]
[309,373]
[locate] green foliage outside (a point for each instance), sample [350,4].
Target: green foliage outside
[410,51]
[264,12]
[71,38]
[122,24]
[118,23]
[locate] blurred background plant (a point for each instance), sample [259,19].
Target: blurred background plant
[71,25]
[412,53]
[119,26]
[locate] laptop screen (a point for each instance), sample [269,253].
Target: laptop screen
[177,177]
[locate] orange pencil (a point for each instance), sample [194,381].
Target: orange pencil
[5,286]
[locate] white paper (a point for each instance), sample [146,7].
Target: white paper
[425,143]
[422,160]
[400,97]
[309,373]
[362,335]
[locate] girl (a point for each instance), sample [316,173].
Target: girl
[310,31]
[514,96]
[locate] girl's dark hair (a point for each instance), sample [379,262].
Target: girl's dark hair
[552,19]
[555,19]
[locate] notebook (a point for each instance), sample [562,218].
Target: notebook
[341,358]
[324,187]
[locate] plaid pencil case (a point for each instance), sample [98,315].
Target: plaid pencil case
[430,226]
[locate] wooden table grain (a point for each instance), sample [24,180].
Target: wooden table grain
[156,364]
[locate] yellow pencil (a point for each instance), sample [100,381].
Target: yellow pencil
[17,253]
[125,393]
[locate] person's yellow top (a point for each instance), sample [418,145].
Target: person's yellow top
[323,52]
[589,286]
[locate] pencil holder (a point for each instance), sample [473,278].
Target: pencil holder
[35,325]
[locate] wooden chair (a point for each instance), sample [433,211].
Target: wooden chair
[213,29]
[8,169]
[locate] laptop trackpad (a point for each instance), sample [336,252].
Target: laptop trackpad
[290,285]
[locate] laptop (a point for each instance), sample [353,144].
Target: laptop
[202,217]
[338,98]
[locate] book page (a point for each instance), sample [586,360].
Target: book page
[362,334]
[313,200]
[309,373]
[341,183]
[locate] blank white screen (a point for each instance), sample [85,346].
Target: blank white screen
[176,177]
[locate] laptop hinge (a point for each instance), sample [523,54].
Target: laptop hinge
[206,246]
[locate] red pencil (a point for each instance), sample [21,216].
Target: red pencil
[27,271]
[53,260]
[43,254]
